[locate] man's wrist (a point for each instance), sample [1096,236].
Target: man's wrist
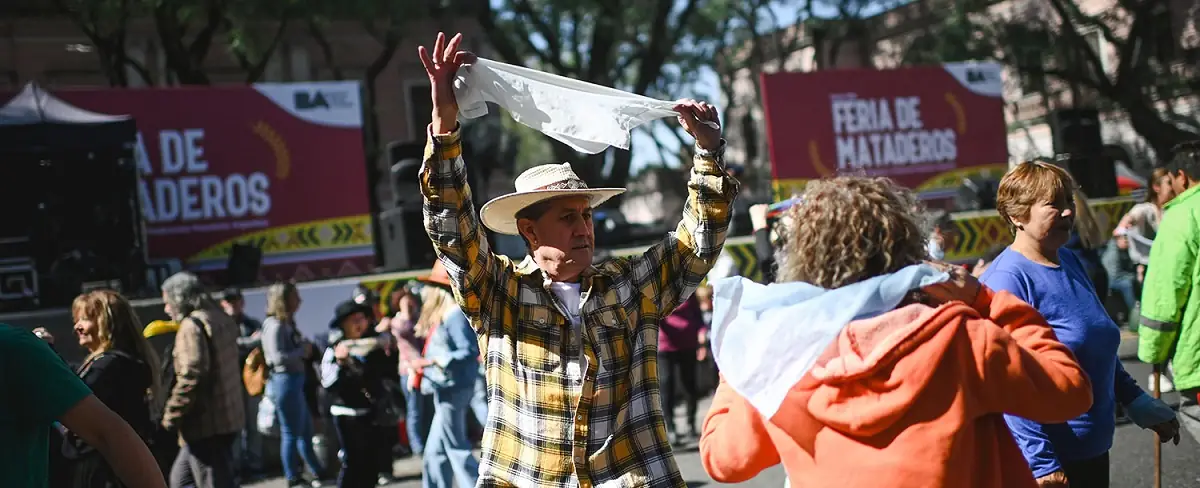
[445,121]
[713,152]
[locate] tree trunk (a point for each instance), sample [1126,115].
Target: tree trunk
[1162,135]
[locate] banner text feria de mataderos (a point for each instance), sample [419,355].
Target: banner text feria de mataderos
[925,127]
[279,166]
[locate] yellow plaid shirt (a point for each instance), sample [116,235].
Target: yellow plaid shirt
[544,427]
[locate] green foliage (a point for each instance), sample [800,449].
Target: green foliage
[1126,58]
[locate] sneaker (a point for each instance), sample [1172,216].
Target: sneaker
[1165,385]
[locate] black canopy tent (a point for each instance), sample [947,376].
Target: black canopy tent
[68,195]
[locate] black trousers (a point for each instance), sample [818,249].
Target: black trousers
[360,440]
[677,371]
[1088,473]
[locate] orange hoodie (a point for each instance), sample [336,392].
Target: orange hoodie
[911,398]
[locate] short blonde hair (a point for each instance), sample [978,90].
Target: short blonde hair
[1028,184]
[851,228]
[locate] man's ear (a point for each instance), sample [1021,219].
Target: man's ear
[526,228]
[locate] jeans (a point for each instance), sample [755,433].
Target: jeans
[359,439]
[205,463]
[417,416]
[248,450]
[295,423]
[673,367]
[479,406]
[448,459]
[1125,288]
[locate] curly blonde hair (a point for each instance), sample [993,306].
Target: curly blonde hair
[851,228]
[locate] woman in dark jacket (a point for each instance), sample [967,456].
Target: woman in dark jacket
[121,370]
[353,369]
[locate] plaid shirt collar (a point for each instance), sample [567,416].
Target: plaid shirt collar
[529,268]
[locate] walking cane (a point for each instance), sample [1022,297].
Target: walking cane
[1157,439]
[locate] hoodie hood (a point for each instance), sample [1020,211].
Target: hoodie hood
[767,338]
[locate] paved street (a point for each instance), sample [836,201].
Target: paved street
[1132,457]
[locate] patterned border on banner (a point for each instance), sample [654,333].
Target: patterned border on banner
[948,181]
[335,233]
[979,232]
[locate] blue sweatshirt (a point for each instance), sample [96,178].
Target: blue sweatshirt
[1065,296]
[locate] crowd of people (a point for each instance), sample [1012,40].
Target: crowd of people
[201,409]
[865,361]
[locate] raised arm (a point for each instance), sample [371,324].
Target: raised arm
[672,269]
[450,217]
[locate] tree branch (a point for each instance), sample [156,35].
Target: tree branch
[548,33]
[318,35]
[201,44]
[1077,43]
[141,70]
[499,39]
[656,52]
[605,34]
[576,48]
[255,70]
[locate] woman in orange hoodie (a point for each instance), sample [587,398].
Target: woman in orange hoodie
[866,366]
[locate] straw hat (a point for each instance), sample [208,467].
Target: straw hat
[538,184]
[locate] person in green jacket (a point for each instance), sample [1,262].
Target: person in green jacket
[1170,311]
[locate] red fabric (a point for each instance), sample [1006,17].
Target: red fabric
[414,381]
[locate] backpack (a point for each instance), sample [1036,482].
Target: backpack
[254,372]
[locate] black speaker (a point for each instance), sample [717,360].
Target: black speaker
[1096,174]
[405,159]
[1077,132]
[242,268]
[405,243]
[406,185]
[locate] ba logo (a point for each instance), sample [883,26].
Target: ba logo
[319,99]
[977,76]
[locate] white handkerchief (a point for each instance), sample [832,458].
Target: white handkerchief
[585,116]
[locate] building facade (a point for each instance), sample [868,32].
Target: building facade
[883,40]
[37,44]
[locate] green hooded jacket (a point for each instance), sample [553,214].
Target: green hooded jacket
[1170,311]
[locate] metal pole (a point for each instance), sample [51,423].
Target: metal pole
[1157,439]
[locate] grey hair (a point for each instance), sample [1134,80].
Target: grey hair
[185,294]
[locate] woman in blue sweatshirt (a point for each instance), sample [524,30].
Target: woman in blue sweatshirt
[1036,199]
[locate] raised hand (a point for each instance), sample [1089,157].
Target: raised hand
[441,67]
[700,119]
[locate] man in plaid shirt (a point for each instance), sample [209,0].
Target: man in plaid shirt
[573,396]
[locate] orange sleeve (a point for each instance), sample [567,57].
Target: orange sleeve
[1022,368]
[735,445]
